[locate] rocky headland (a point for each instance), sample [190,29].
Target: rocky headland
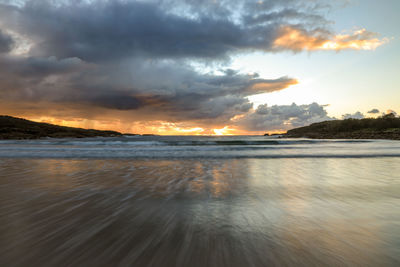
[385,127]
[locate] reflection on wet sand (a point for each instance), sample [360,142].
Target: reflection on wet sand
[198,212]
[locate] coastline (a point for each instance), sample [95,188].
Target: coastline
[347,135]
[385,127]
[12,128]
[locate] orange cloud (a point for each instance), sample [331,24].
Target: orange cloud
[296,39]
[263,87]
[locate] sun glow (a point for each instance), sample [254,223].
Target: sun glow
[224,131]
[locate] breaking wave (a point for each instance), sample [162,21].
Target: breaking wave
[197,147]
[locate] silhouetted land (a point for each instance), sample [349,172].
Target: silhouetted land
[386,127]
[16,128]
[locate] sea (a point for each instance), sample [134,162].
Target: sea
[199,201]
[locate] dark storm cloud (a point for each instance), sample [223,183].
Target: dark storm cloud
[180,92]
[6,42]
[110,30]
[283,117]
[113,30]
[373,111]
[116,101]
[33,78]
[285,16]
[38,67]
[164,89]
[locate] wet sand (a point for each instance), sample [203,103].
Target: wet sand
[198,212]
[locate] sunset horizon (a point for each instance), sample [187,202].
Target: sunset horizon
[226,131]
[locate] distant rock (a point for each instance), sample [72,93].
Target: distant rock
[274,134]
[130,134]
[16,128]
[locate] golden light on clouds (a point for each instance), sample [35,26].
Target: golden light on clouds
[271,87]
[295,39]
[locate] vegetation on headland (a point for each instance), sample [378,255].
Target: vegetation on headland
[385,127]
[16,128]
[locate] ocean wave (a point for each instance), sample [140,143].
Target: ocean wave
[130,142]
[196,147]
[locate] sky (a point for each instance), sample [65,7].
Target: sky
[198,66]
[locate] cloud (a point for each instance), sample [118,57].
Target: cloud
[297,39]
[121,29]
[284,15]
[38,66]
[357,115]
[373,111]
[282,117]
[6,42]
[161,88]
